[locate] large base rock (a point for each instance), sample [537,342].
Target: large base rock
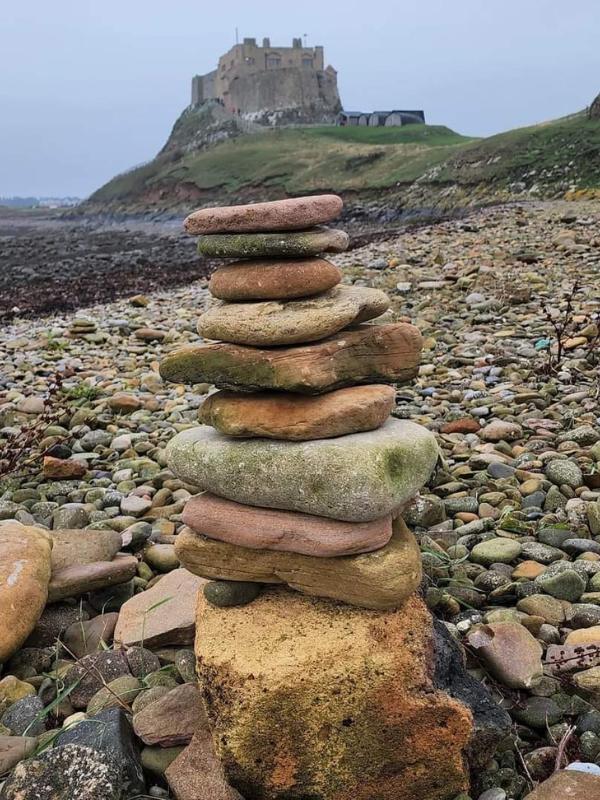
[313,699]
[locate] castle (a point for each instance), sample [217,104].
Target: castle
[272,85]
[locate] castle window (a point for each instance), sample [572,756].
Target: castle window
[307,61]
[273,60]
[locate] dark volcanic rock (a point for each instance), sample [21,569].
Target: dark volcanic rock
[110,733]
[65,773]
[491,723]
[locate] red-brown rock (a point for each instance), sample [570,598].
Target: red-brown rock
[277,215]
[267,528]
[273,279]
[463,425]
[171,720]
[568,784]
[279,415]
[197,773]
[63,468]
[366,354]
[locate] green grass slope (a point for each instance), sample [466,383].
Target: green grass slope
[422,165]
[288,161]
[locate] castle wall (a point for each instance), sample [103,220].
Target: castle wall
[253,80]
[299,95]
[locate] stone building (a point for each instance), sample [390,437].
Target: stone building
[272,85]
[380,119]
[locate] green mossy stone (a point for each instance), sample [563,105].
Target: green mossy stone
[225,594]
[295,244]
[357,478]
[567,585]
[498,550]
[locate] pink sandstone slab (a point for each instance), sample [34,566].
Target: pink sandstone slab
[277,215]
[293,532]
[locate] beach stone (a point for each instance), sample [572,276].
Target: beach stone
[14,749]
[296,244]
[197,773]
[285,658]
[77,547]
[11,690]
[500,430]
[142,661]
[92,673]
[380,580]
[25,717]
[510,652]
[54,621]
[172,719]
[565,585]
[499,550]
[538,712]
[89,636]
[294,213]
[63,468]
[274,280]
[60,773]
[562,471]
[157,759]
[395,461]
[270,323]
[277,415]
[148,696]
[76,580]
[231,593]
[543,605]
[570,784]
[367,354]
[110,732]
[25,565]
[123,689]
[162,615]
[584,636]
[271,529]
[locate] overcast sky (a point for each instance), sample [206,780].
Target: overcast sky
[89,88]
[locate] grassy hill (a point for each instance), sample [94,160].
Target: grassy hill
[422,165]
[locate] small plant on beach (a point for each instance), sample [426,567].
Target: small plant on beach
[21,451]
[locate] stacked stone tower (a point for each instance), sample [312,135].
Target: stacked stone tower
[333,682]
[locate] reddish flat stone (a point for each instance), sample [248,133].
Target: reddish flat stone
[273,279]
[366,354]
[568,784]
[279,415]
[171,720]
[78,579]
[163,615]
[63,468]
[270,529]
[197,773]
[277,215]
[464,425]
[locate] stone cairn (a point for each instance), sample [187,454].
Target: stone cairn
[344,687]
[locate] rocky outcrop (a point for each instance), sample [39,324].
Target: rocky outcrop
[297,712]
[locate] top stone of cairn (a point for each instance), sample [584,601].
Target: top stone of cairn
[279,215]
